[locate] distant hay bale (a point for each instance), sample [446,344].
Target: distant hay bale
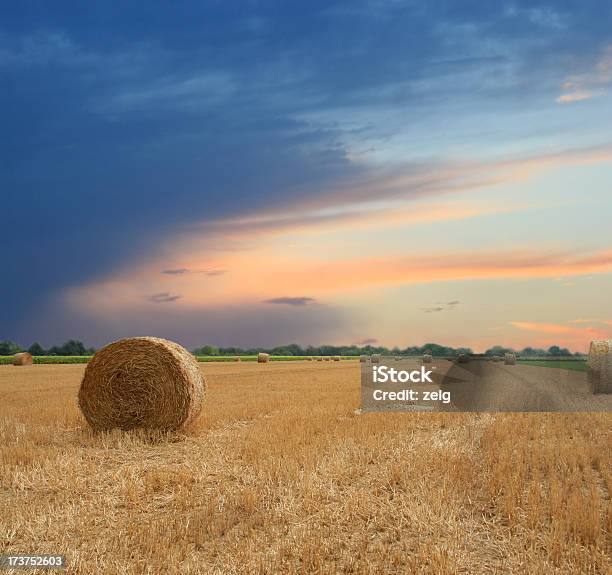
[363,358]
[599,366]
[237,358]
[263,358]
[309,359]
[510,359]
[427,358]
[463,358]
[336,358]
[319,358]
[375,358]
[23,358]
[327,358]
[142,382]
[397,358]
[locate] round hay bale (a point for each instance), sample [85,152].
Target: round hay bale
[319,358]
[599,366]
[427,358]
[510,359]
[363,358]
[237,358]
[142,382]
[375,358]
[336,358]
[23,358]
[263,358]
[327,358]
[463,358]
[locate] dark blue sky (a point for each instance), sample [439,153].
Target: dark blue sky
[125,123]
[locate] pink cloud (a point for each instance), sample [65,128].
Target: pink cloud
[560,334]
[576,97]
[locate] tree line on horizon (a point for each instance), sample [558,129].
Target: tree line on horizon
[75,347]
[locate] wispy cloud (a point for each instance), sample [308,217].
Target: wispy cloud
[440,306]
[294,301]
[413,193]
[572,336]
[577,96]
[590,84]
[163,297]
[185,271]
[561,329]
[368,341]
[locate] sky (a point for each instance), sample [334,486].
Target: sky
[261,173]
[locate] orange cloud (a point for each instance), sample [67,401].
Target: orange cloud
[582,86]
[564,335]
[575,97]
[259,275]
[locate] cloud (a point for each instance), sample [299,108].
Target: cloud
[163,297]
[339,277]
[575,97]
[561,329]
[294,301]
[184,271]
[590,84]
[368,341]
[441,307]
[415,192]
[570,336]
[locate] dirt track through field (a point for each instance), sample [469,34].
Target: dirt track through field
[489,386]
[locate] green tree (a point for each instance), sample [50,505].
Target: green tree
[8,347]
[36,349]
[206,350]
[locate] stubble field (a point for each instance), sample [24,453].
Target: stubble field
[280,475]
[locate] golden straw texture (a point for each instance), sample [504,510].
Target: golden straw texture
[263,358]
[510,359]
[23,358]
[600,366]
[142,382]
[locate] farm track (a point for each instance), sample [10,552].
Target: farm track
[487,386]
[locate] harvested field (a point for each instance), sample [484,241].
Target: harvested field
[279,475]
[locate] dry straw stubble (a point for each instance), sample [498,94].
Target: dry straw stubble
[142,382]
